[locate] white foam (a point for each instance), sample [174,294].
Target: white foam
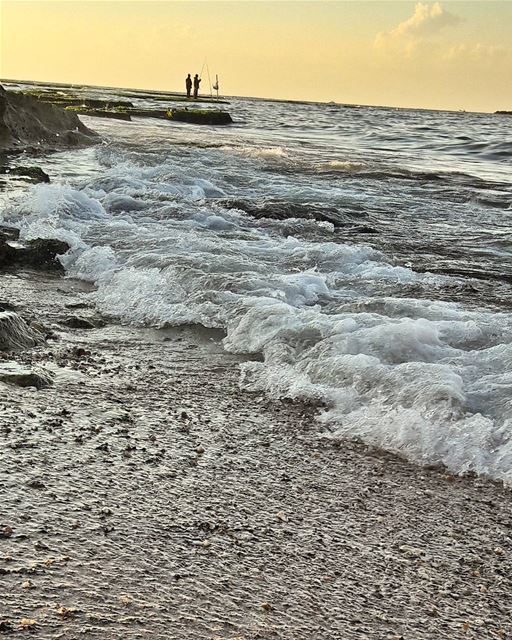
[427,379]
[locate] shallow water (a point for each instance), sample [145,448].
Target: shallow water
[405,334]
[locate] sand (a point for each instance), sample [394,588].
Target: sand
[143,495]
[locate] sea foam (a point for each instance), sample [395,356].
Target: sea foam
[427,379]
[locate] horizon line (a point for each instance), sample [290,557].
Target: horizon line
[285,100]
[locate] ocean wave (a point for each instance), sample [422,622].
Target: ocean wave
[428,380]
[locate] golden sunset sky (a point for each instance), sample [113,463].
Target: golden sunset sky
[443,55]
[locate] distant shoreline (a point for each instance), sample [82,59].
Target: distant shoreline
[257,98]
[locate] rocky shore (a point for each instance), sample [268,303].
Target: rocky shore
[145,496]
[28,124]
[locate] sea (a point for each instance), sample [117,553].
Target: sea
[359,256]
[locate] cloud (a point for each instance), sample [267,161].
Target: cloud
[426,21]
[477,53]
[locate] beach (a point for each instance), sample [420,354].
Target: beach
[148,496]
[269,392]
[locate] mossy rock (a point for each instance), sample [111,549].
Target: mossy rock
[34,174]
[100,113]
[65,100]
[200,116]
[146,113]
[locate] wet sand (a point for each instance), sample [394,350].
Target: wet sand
[143,495]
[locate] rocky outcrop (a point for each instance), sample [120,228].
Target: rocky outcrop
[25,122]
[32,174]
[283,210]
[100,113]
[36,254]
[200,116]
[15,333]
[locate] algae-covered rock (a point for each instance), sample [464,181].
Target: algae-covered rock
[100,113]
[200,116]
[33,174]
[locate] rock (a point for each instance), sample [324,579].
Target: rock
[6,531]
[42,254]
[25,121]
[18,375]
[15,333]
[200,116]
[283,210]
[7,306]
[75,322]
[7,253]
[9,233]
[148,113]
[34,174]
[100,113]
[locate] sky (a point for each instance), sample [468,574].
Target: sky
[440,55]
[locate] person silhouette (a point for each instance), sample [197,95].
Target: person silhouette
[188,85]
[197,82]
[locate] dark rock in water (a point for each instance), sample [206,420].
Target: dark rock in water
[15,332]
[7,253]
[25,122]
[504,113]
[16,374]
[9,233]
[363,229]
[37,254]
[34,174]
[148,113]
[71,100]
[7,306]
[42,254]
[282,210]
[75,322]
[100,113]
[200,116]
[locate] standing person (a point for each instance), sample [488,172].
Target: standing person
[188,84]
[197,82]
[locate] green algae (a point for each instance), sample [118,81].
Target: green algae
[200,116]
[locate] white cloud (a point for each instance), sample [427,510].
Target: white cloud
[427,21]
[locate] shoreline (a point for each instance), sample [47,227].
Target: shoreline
[147,496]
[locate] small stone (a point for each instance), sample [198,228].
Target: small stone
[6,532]
[27,623]
[28,584]
[200,450]
[126,600]
[281,515]
[267,606]
[65,612]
